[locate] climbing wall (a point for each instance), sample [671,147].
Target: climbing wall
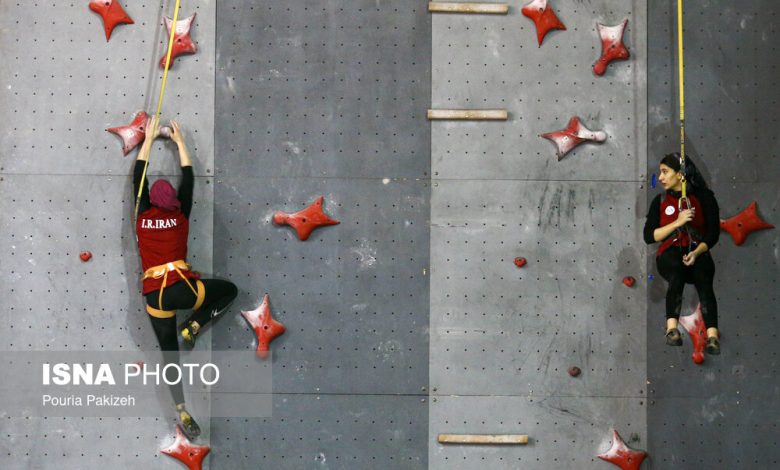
[721,414]
[411,317]
[503,337]
[65,188]
[327,99]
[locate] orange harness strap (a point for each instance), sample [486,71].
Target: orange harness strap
[161,271]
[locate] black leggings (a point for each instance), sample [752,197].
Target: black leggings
[219,294]
[700,274]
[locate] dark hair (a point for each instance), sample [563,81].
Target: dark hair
[691,173]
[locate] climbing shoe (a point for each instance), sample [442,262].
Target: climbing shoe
[188,425]
[673,337]
[713,345]
[189,332]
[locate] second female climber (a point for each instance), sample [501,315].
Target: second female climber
[687,232]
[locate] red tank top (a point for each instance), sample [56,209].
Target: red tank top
[162,238]
[696,226]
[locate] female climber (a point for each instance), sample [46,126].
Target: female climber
[687,234]
[162,229]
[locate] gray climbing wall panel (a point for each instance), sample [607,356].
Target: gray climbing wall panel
[489,61]
[349,431]
[502,338]
[324,89]
[564,431]
[521,329]
[327,99]
[353,291]
[722,414]
[65,188]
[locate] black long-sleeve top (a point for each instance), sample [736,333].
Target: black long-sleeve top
[184,193]
[711,216]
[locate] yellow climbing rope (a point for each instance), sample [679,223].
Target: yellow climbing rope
[160,100]
[680,54]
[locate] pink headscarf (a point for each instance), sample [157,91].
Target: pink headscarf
[163,195]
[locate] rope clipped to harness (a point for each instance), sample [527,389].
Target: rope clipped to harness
[681,69]
[683,203]
[160,100]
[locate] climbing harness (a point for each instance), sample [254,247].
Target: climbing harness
[160,100]
[161,271]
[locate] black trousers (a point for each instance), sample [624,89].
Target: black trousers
[219,295]
[700,274]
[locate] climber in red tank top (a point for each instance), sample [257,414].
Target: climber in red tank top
[687,233]
[669,214]
[162,228]
[162,235]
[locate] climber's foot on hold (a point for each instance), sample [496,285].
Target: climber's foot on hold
[673,337]
[189,332]
[713,345]
[188,425]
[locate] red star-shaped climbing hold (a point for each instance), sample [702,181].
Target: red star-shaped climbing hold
[190,454]
[694,325]
[266,328]
[112,13]
[744,223]
[574,134]
[612,47]
[182,41]
[623,456]
[305,221]
[544,17]
[133,134]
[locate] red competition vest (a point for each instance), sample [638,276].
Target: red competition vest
[696,226]
[162,238]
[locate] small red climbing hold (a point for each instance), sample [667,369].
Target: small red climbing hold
[306,220]
[744,223]
[544,17]
[629,281]
[266,328]
[612,47]
[694,325]
[520,262]
[112,13]
[182,41]
[575,371]
[623,456]
[183,450]
[85,256]
[132,134]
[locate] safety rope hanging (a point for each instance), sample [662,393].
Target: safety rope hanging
[680,54]
[159,101]
[683,203]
